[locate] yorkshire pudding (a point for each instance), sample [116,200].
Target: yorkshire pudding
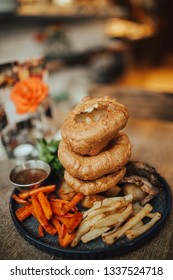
[92,124]
[113,158]
[95,186]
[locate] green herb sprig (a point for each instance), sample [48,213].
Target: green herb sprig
[48,152]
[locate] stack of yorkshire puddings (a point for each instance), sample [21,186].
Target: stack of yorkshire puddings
[93,151]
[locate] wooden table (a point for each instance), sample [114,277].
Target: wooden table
[153,143]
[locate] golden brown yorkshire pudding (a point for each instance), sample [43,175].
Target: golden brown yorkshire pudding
[113,158]
[95,186]
[92,124]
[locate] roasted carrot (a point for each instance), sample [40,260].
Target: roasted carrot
[59,200]
[64,230]
[45,205]
[58,226]
[40,230]
[75,200]
[75,221]
[19,200]
[68,215]
[23,212]
[44,189]
[38,211]
[50,229]
[56,208]
[67,239]
[54,215]
[64,220]
[71,223]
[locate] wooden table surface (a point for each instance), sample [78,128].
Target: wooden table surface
[153,143]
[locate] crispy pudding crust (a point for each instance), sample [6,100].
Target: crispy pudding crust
[95,186]
[92,124]
[110,160]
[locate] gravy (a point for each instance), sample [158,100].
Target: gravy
[29,176]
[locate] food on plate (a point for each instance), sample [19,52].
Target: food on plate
[24,212]
[114,191]
[141,180]
[135,232]
[95,158]
[19,200]
[98,212]
[89,200]
[45,205]
[94,186]
[54,215]
[113,218]
[109,217]
[44,189]
[38,210]
[94,233]
[111,238]
[110,160]
[65,191]
[84,227]
[116,218]
[136,191]
[93,150]
[92,124]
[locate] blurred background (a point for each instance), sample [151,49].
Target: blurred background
[121,48]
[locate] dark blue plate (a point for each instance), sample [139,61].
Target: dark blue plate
[95,249]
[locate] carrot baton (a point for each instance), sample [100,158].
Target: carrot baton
[19,200]
[44,189]
[75,200]
[50,229]
[65,221]
[67,239]
[58,226]
[40,230]
[24,212]
[56,208]
[75,221]
[38,211]
[45,205]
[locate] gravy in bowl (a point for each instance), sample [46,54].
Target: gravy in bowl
[29,176]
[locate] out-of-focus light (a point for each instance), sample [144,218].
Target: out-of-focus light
[63,3]
[120,28]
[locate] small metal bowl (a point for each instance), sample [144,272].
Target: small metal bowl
[27,165]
